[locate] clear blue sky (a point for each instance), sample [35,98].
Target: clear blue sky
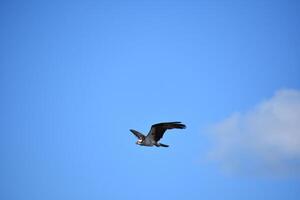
[76,76]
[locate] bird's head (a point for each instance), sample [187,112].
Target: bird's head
[140,141]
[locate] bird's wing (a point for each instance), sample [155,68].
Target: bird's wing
[138,134]
[157,130]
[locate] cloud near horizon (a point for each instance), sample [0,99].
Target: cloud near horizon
[263,141]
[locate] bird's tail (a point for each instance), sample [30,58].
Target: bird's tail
[163,145]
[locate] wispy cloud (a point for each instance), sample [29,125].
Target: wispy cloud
[263,141]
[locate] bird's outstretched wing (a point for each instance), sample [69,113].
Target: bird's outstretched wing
[157,130]
[138,134]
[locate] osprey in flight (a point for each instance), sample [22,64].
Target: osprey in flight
[156,133]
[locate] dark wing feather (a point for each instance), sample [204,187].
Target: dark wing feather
[157,130]
[138,134]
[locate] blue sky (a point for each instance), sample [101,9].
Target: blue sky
[76,76]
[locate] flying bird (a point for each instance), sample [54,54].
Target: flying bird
[156,133]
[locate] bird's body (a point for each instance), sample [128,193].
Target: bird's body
[156,133]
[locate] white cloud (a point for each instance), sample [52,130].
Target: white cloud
[262,141]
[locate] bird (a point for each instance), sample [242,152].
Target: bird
[156,133]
